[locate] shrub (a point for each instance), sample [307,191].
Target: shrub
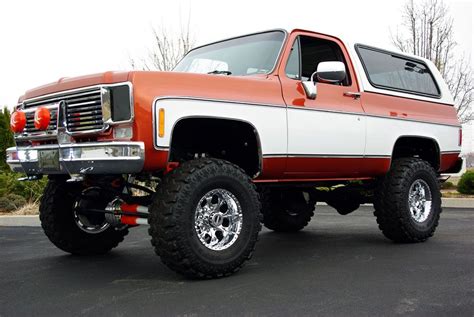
[466,183]
[30,190]
[448,185]
[12,202]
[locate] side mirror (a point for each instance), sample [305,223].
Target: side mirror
[327,72]
[331,72]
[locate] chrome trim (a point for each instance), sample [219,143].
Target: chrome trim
[82,220]
[337,156]
[81,158]
[39,135]
[275,155]
[277,60]
[450,152]
[403,56]
[218,211]
[56,98]
[420,200]
[363,114]
[54,105]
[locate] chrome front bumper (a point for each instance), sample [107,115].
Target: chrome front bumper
[78,158]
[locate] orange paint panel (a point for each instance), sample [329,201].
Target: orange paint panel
[76,82]
[306,168]
[151,85]
[448,160]
[273,167]
[405,108]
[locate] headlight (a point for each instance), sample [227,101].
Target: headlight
[116,104]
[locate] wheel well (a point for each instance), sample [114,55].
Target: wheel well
[231,140]
[424,148]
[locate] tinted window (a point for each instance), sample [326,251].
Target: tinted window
[308,52]
[395,72]
[293,67]
[247,55]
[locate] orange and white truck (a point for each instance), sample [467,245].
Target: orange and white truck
[242,132]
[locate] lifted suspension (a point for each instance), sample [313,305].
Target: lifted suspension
[119,213]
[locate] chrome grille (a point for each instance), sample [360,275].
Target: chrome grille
[30,125]
[83,111]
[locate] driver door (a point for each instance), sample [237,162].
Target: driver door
[326,136]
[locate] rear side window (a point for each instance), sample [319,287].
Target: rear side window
[395,72]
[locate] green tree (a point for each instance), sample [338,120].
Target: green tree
[6,137]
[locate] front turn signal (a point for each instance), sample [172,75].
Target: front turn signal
[18,121]
[161,122]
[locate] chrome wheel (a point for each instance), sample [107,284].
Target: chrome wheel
[90,223]
[218,219]
[419,200]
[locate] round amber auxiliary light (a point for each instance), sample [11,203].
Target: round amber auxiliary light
[17,121]
[42,118]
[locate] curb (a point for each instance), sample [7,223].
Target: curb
[20,221]
[445,203]
[458,203]
[33,221]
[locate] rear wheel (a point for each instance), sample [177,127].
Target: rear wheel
[70,231]
[408,201]
[287,210]
[205,218]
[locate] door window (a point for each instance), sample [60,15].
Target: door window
[307,52]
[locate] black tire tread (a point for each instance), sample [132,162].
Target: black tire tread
[165,229]
[389,202]
[58,224]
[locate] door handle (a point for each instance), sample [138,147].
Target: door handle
[355,95]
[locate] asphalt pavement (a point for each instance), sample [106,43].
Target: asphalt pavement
[337,266]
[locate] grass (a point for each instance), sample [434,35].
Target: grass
[454,194]
[28,209]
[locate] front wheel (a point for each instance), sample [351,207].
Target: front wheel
[70,231]
[205,218]
[408,201]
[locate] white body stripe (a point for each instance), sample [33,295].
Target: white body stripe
[325,133]
[382,133]
[270,122]
[310,132]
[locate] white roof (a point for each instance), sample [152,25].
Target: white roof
[364,83]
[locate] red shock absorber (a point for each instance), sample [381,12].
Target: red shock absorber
[133,220]
[127,214]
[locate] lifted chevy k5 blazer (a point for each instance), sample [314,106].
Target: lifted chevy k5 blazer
[244,131]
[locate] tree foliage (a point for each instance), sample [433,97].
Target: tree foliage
[466,183]
[6,137]
[428,32]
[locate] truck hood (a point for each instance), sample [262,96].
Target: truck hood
[68,83]
[150,84]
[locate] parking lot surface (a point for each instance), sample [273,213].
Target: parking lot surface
[339,265]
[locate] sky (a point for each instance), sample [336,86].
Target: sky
[42,41]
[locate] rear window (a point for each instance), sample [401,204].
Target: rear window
[395,72]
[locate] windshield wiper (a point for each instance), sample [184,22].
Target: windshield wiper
[220,72]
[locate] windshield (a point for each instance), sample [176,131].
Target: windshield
[247,55]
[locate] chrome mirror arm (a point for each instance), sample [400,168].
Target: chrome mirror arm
[310,88]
